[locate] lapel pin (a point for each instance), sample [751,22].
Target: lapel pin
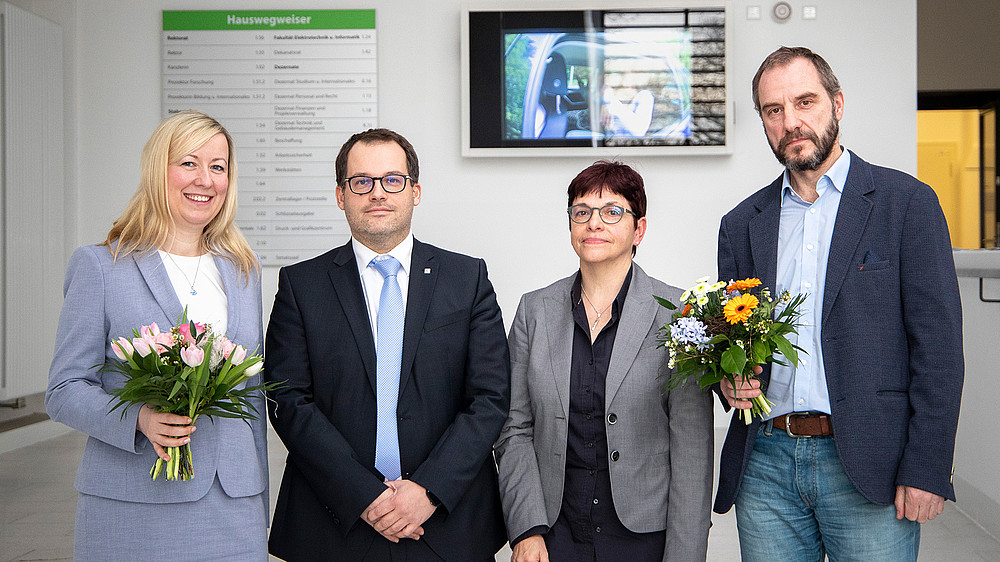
[427,271]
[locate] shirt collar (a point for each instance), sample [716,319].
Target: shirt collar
[403,253]
[835,176]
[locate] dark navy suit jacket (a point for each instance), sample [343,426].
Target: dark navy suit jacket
[454,394]
[891,333]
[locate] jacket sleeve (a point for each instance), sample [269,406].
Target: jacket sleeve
[259,426]
[520,481]
[690,418]
[932,318]
[75,395]
[727,271]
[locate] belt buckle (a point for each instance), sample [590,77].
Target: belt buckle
[788,423]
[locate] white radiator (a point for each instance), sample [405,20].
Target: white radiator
[31,195]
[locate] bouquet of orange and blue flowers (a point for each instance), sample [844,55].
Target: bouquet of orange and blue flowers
[190,371]
[726,329]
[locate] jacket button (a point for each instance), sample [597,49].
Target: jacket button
[614,456]
[612,418]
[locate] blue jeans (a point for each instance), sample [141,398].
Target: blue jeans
[796,503]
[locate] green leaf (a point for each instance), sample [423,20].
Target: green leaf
[759,351]
[173,392]
[786,349]
[710,377]
[665,303]
[718,338]
[734,359]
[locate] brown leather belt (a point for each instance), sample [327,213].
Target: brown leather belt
[804,425]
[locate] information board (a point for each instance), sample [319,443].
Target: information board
[291,87]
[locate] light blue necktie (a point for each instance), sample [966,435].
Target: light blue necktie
[388,358]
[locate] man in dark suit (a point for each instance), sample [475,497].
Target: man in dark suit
[858,448]
[397,382]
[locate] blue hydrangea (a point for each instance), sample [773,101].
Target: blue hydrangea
[689,330]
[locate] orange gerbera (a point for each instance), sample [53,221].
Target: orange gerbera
[743,285]
[738,309]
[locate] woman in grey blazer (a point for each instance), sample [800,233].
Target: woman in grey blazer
[175,246]
[596,464]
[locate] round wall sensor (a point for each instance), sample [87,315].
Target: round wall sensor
[782,11]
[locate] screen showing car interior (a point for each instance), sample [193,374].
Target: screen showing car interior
[617,78]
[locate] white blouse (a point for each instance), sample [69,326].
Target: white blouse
[198,285]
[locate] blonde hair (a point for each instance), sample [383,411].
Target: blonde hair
[146,222]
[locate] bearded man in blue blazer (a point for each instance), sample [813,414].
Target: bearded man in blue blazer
[858,449]
[397,383]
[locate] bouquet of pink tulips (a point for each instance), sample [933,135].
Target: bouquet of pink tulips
[189,371]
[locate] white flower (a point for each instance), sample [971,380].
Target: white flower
[253,369]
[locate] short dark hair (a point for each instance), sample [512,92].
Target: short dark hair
[785,55]
[616,177]
[376,136]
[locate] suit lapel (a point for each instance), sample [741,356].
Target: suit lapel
[764,236]
[638,314]
[346,284]
[423,276]
[155,275]
[559,328]
[852,216]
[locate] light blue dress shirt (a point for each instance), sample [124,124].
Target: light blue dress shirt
[804,234]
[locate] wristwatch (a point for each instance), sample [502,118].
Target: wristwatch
[433,499]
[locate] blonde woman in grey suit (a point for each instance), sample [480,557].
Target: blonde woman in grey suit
[594,463]
[175,246]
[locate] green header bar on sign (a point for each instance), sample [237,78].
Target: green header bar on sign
[222,20]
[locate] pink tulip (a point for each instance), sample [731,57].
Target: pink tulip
[150,331]
[192,355]
[142,346]
[163,341]
[122,348]
[227,347]
[239,355]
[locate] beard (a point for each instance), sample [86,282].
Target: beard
[824,147]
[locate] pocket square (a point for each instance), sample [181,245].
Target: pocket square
[872,261]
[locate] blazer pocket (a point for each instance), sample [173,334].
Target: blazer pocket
[874,266]
[441,321]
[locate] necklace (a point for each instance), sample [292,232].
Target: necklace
[599,313]
[196,270]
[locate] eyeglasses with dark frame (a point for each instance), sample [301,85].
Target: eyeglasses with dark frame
[610,213]
[391,183]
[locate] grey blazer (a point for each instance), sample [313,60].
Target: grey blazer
[105,300]
[663,476]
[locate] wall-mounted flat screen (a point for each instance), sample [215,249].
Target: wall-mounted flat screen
[610,80]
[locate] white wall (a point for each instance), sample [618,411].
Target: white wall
[63,13]
[871,46]
[118,101]
[976,485]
